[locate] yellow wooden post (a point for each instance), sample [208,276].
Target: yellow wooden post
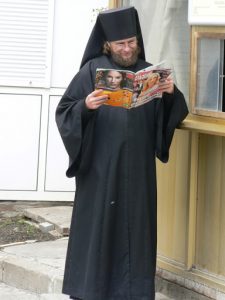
[192,201]
[114,3]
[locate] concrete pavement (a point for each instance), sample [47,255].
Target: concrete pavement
[58,216]
[11,293]
[34,271]
[37,267]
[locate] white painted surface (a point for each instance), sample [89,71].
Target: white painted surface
[19,140]
[33,160]
[72,26]
[57,158]
[26,42]
[206,12]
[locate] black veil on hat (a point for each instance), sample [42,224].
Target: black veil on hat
[111,25]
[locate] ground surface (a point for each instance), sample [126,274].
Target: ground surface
[18,229]
[14,227]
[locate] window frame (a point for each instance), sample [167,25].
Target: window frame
[198,32]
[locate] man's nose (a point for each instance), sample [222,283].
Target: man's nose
[126,47]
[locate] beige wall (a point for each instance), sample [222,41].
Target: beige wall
[173,191]
[210,231]
[191,186]
[191,212]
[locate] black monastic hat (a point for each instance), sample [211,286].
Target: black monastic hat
[112,25]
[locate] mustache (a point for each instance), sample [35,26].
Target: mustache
[126,62]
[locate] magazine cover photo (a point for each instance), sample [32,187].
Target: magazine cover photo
[128,89]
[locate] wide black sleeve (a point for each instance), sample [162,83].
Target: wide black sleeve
[171,111]
[76,122]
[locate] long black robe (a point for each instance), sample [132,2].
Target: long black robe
[112,245]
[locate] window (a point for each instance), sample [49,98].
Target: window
[25,42]
[208,69]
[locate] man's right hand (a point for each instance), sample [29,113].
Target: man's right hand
[94,100]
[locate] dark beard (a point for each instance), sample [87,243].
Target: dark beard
[126,62]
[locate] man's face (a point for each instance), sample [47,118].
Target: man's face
[125,52]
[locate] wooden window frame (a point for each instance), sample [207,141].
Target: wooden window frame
[198,32]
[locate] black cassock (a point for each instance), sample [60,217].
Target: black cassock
[112,245]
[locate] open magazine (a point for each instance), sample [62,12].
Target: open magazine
[128,89]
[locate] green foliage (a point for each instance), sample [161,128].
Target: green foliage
[96,11]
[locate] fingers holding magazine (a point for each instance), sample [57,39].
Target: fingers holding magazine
[167,85]
[95,99]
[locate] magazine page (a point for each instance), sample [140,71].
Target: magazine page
[117,84]
[146,84]
[128,89]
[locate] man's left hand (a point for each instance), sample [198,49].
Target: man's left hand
[167,86]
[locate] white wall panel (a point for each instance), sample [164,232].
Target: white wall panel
[57,158]
[26,42]
[19,140]
[73,22]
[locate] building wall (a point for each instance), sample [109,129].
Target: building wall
[191,199]
[41,49]
[191,228]
[191,194]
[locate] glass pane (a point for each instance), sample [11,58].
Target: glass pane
[209,70]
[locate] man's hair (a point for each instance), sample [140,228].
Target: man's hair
[106,48]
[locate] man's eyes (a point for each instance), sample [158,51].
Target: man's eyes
[129,43]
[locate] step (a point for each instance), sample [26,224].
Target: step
[35,271]
[37,267]
[58,216]
[11,293]
[160,296]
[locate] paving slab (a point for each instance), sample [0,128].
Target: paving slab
[34,271]
[160,296]
[15,208]
[59,216]
[37,267]
[11,293]
[54,297]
